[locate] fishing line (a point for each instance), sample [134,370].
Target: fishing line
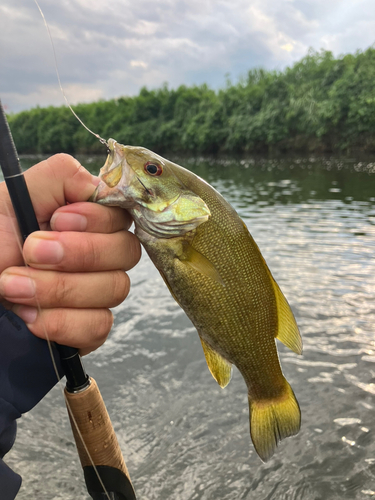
[103,141]
[19,244]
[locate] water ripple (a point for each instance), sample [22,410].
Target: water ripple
[182,436]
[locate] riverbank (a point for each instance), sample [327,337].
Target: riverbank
[322,105]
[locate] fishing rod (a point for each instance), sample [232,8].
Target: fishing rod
[105,472]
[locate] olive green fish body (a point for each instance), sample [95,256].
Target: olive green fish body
[217,274]
[237,315]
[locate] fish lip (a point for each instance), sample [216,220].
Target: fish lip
[110,157]
[119,194]
[114,153]
[94,196]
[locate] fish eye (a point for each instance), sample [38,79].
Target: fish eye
[153,168]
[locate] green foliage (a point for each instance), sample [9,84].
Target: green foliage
[320,103]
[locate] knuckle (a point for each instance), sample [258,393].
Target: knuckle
[57,325]
[61,290]
[120,218]
[108,322]
[111,215]
[120,286]
[103,326]
[88,255]
[64,162]
[63,157]
[133,250]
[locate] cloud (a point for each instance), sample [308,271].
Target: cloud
[288,47]
[108,48]
[138,64]
[44,95]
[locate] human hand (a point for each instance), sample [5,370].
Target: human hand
[77,262]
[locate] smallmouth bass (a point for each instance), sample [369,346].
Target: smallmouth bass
[216,273]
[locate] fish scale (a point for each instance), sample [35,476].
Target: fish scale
[216,273]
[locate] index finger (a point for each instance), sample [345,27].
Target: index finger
[90,218]
[74,252]
[55,181]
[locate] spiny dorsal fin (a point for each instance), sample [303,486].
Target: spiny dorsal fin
[219,367]
[288,332]
[200,263]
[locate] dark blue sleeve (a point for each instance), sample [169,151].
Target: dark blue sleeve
[26,376]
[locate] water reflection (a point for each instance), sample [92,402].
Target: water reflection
[183,437]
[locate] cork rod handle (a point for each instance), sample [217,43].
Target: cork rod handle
[94,424]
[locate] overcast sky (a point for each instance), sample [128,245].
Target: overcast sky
[110,48]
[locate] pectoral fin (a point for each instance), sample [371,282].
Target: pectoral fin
[288,332]
[219,367]
[200,263]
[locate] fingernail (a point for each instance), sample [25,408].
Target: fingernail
[16,287]
[68,222]
[44,251]
[27,313]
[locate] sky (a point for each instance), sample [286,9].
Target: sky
[111,48]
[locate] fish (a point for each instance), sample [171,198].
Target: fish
[216,273]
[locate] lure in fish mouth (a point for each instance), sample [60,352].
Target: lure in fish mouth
[216,273]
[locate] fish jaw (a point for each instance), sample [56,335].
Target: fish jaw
[116,178]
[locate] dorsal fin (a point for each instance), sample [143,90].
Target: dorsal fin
[287,331]
[219,367]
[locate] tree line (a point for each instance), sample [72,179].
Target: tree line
[320,104]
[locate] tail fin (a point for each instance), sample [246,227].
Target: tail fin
[272,420]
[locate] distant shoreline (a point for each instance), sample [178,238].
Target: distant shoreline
[321,105]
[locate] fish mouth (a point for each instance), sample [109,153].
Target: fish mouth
[115,178]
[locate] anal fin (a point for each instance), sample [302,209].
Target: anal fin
[219,367]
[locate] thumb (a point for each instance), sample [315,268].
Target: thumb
[58,180]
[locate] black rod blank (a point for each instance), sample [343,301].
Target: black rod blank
[117,483]
[71,362]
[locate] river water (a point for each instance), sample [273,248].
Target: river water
[182,436]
